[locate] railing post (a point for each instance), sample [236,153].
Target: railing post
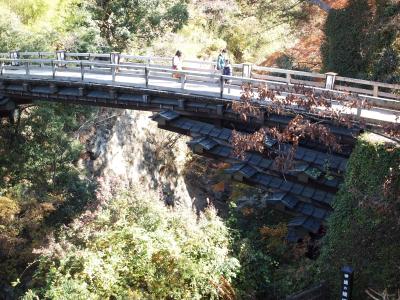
[81,91]
[221,78]
[2,69]
[41,57]
[183,81]
[376,91]
[27,68]
[82,71]
[25,87]
[113,73]
[220,109]
[330,80]
[53,88]
[60,54]
[359,109]
[288,78]
[181,103]
[114,58]
[146,76]
[90,60]
[53,68]
[14,55]
[246,70]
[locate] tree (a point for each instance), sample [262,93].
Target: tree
[125,22]
[29,11]
[362,40]
[345,32]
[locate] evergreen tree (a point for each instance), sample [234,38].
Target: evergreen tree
[345,32]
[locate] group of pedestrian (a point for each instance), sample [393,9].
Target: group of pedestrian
[223,64]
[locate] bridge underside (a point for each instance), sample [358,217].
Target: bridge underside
[15,92]
[306,192]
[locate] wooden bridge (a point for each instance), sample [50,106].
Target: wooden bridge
[148,82]
[197,102]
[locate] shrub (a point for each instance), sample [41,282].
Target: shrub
[137,248]
[363,229]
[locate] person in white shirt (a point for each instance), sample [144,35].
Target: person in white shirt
[177,63]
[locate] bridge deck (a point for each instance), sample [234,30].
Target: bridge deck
[165,82]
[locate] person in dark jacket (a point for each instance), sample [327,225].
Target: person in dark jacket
[227,70]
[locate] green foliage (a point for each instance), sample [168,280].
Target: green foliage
[43,149]
[136,248]
[363,228]
[251,34]
[345,32]
[125,23]
[362,40]
[270,268]
[40,187]
[8,209]
[273,13]
[14,35]
[29,11]
[44,25]
[384,42]
[77,31]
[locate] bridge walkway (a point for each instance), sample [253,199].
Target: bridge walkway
[204,81]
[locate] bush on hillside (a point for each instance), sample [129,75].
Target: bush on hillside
[363,230]
[137,248]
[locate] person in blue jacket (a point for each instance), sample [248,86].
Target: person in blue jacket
[221,60]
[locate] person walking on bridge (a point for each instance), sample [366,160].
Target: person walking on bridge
[221,60]
[227,70]
[177,64]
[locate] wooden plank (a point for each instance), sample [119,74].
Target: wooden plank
[97,71]
[69,54]
[210,83]
[284,71]
[308,83]
[368,82]
[384,103]
[164,78]
[195,69]
[389,95]
[200,79]
[353,89]
[131,72]
[268,77]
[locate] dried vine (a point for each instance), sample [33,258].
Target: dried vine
[298,128]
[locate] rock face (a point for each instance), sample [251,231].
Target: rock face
[129,146]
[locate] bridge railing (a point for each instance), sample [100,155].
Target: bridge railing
[198,72]
[365,87]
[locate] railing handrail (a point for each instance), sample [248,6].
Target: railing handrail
[127,64]
[213,63]
[285,71]
[368,82]
[148,70]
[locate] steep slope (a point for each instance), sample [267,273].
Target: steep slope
[133,150]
